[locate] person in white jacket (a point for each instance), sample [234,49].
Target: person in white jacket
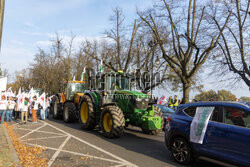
[10,107]
[3,107]
[24,111]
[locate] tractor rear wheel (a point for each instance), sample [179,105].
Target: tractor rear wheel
[157,112]
[69,111]
[57,109]
[87,115]
[112,122]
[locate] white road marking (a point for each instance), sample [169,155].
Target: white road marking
[75,153]
[119,161]
[40,131]
[93,146]
[43,138]
[58,151]
[119,165]
[32,131]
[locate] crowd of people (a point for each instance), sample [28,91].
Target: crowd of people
[23,106]
[171,102]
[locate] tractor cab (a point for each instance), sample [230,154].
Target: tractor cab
[111,82]
[74,87]
[117,82]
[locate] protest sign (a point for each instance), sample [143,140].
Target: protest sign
[199,124]
[3,84]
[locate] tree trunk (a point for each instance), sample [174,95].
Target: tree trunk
[186,89]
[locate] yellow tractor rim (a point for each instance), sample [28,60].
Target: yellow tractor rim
[84,112]
[107,122]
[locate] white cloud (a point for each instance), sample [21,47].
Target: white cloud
[44,43]
[16,42]
[67,38]
[33,33]
[48,7]
[30,25]
[15,58]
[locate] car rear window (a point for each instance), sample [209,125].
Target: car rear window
[190,111]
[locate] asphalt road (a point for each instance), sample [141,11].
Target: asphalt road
[69,145]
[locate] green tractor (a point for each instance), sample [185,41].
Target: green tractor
[113,106]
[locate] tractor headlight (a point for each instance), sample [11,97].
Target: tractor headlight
[138,99]
[146,99]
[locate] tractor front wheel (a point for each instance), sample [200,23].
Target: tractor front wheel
[69,112]
[87,115]
[157,112]
[112,122]
[57,109]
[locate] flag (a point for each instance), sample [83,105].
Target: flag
[199,124]
[101,67]
[162,100]
[9,92]
[20,100]
[3,83]
[41,100]
[83,72]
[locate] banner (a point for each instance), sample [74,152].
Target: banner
[199,124]
[162,100]
[3,84]
[3,104]
[41,100]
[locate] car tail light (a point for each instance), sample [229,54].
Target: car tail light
[168,119]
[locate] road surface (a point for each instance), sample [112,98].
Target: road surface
[69,145]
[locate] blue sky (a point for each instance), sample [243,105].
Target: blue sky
[29,24]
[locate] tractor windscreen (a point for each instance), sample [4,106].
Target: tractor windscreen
[118,83]
[77,87]
[73,88]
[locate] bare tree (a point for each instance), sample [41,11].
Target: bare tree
[233,54]
[190,41]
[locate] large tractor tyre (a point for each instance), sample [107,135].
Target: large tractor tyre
[87,116]
[57,109]
[112,122]
[157,112]
[69,111]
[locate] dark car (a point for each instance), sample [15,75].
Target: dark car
[226,136]
[166,111]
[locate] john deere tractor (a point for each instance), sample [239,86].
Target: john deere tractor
[66,104]
[113,106]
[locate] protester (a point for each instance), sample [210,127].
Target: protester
[170,102]
[175,102]
[47,104]
[24,111]
[10,106]
[3,107]
[42,111]
[34,107]
[16,112]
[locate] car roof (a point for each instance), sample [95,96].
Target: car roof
[245,105]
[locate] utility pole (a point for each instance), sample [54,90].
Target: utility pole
[1,20]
